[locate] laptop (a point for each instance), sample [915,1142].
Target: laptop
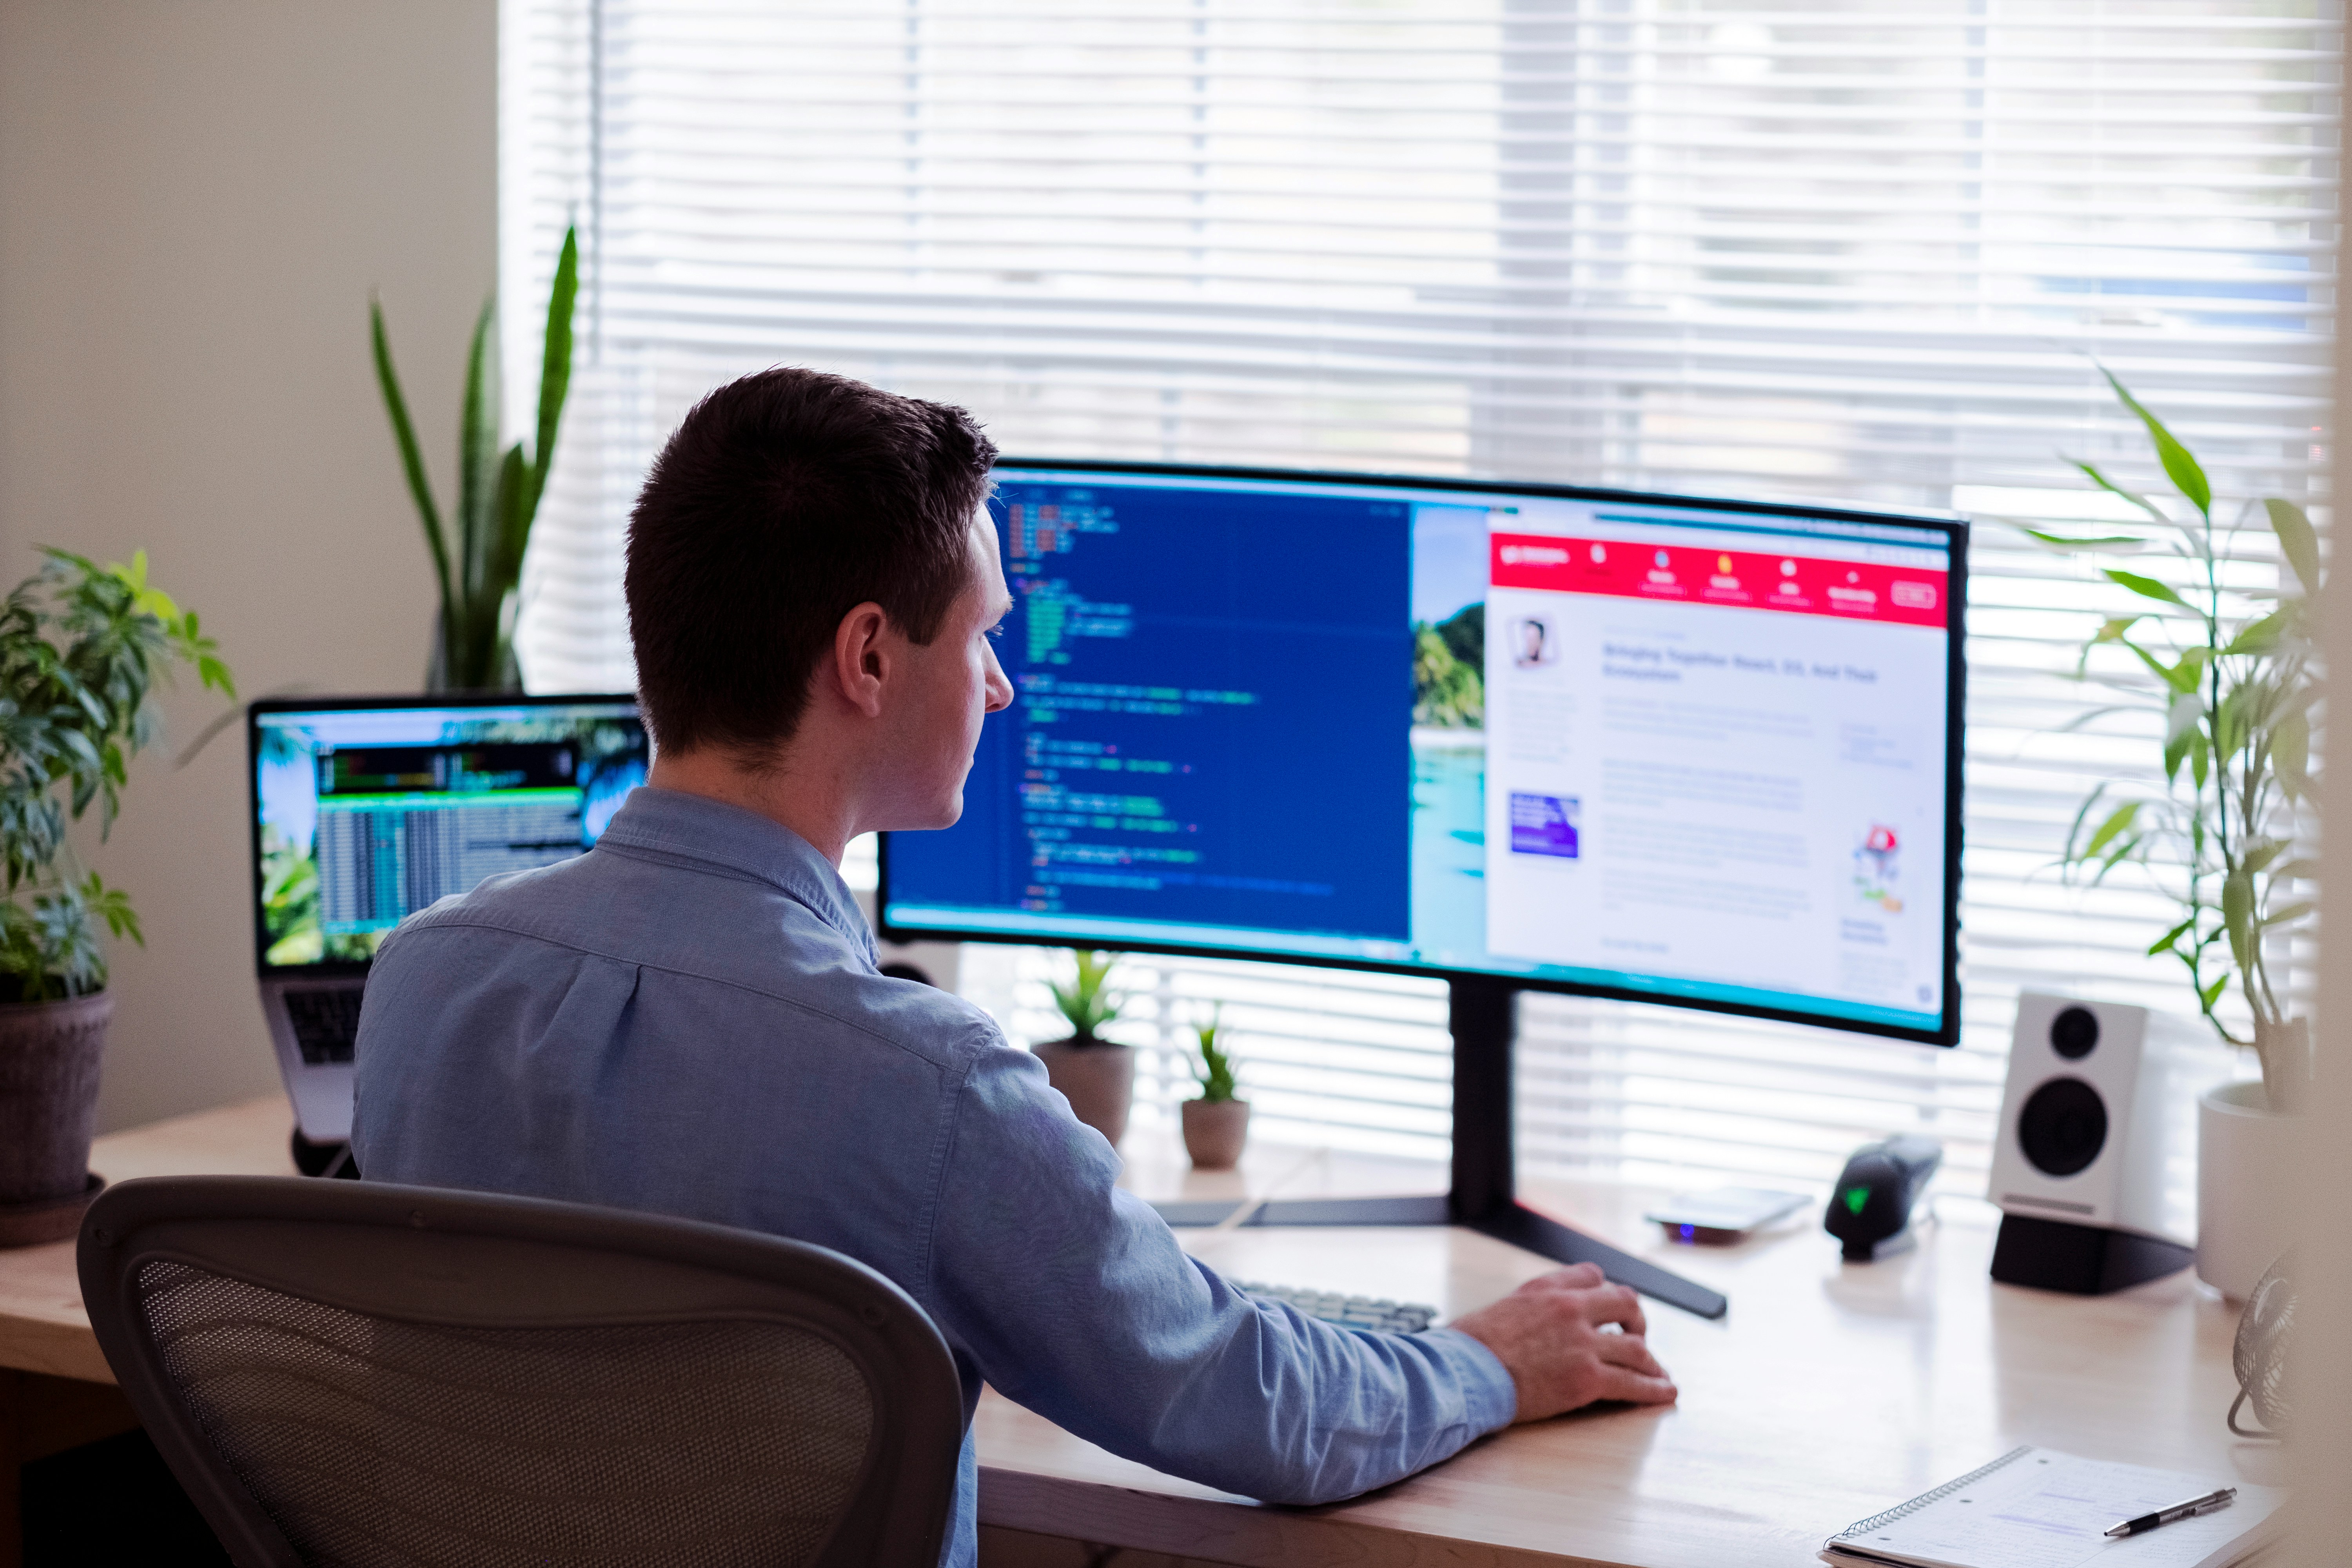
[365,809]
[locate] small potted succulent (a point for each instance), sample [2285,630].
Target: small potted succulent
[1217,1123]
[1095,1075]
[80,646]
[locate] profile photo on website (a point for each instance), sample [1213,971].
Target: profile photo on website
[1533,643]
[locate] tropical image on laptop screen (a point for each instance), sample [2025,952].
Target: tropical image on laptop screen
[367,814]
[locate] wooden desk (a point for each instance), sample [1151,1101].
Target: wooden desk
[1828,1394]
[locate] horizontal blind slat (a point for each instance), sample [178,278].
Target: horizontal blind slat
[1846,251]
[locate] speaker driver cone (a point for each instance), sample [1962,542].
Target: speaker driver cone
[2063,1127]
[2075,1033]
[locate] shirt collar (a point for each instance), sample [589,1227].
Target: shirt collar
[678,826]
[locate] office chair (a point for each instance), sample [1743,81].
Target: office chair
[358,1373]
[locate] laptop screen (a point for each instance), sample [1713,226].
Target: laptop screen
[367,809]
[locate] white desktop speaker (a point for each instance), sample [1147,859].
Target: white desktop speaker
[933,963]
[2097,1110]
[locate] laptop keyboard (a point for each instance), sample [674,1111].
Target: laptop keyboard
[1347,1311]
[326,1023]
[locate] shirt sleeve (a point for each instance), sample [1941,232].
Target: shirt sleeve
[1073,1298]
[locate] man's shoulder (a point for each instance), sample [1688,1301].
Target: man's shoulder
[735,942]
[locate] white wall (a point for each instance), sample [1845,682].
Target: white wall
[195,198]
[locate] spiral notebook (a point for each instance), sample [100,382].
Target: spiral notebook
[2036,1508]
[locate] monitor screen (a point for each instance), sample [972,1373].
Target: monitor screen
[367,809]
[1679,751]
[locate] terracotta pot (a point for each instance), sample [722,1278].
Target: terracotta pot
[49,1055]
[1098,1079]
[1214,1130]
[2247,1156]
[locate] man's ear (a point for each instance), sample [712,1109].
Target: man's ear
[861,659]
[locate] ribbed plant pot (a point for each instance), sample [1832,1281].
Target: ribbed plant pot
[2247,1156]
[49,1055]
[1098,1079]
[1214,1132]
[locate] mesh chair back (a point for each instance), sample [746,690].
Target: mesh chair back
[367,1374]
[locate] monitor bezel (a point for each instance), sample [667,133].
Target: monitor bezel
[347,968]
[1956,532]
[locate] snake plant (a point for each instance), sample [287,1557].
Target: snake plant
[481,568]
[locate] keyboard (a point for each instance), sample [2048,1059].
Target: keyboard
[326,1023]
[1347,1311]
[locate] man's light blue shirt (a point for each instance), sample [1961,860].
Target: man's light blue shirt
[687,1020]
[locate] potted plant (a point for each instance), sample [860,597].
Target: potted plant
[1217,1123]
[1095,1075]
[2225,836]
[80,646]
[481,570]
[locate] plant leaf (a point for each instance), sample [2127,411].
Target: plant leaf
[2290,752]
[412,460]
[2183,675]
[2178,465]
[2111,630]
[2112,487]
[478,451]
[2261,853]
[2294,912]
[2122,849]
[555,365]
[2117,821]
[2260,637]
[2229,723]
[2074,829]
[2238,913]
[2296,540]
[2102,542]
[2164,943]
[2147,587]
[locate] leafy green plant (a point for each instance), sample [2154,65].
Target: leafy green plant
[497,498]
[2234,686]
[1216,1074]
[1085,1001]
[81,649]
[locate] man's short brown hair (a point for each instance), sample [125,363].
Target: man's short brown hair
[782,501]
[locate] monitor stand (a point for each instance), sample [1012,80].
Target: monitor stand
[1480,1012]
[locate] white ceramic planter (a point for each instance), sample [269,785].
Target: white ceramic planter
[2246,1155]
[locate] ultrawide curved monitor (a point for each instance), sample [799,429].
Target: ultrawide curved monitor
[1692,751]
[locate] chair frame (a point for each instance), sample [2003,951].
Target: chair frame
[440,1258]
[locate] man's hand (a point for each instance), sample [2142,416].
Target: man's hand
[1551,1334]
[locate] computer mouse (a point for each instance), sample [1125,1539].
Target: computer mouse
[1870,1208]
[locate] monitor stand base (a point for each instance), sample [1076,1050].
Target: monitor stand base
[1482,1013]
[1520,1226]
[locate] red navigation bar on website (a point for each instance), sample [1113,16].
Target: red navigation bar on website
[1800,584]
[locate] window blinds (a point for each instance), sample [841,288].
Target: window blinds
[1864,251]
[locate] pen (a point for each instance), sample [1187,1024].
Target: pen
[2218,1497]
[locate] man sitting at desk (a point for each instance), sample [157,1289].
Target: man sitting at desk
[687,1019]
